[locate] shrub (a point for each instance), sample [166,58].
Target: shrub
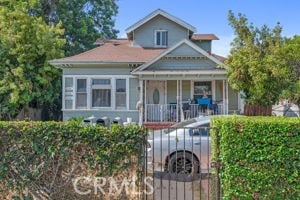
[42,158]
[259,157]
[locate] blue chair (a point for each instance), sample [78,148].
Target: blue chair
[204,103]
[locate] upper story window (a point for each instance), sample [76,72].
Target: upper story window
[161,38]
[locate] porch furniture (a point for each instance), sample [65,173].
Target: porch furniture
[186,108]
[213,108]
[204,104]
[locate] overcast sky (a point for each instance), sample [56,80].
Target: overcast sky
[210,16]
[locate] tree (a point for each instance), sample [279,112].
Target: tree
[254,65]
[84,21]
[26,45]
[291,54]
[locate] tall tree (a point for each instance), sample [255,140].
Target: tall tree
[26,45]
[84,21]
[254,65]
[291,54]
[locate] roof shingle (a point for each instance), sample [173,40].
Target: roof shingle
[204,37]
[117,50]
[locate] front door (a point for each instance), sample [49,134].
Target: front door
[155,92]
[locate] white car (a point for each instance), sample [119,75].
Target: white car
[184,149]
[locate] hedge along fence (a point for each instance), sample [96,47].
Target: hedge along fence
[42,159]
[259,157]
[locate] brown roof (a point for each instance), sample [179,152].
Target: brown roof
[116,50]
[204,37]
[220,58]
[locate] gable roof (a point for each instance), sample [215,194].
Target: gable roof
[184,41]
[163,13]
[112,51]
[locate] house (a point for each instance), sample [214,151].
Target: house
[162,72]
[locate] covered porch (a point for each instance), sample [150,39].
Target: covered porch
[174,98]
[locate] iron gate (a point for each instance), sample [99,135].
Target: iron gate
[177,165]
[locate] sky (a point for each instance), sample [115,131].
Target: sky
[210,16]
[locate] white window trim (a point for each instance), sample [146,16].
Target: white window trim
[155,38]
[101,87]
[213,92]
[63,94]
[75,93]
[89,79]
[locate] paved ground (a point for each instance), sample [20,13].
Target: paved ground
[166,189]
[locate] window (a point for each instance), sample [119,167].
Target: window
[161,38]
[68,93]
[202,90]
[121,93]
[101,93]
[81,93]
[95,92]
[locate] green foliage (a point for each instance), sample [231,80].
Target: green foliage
[26,45]
[84,21]
[255,65]
[36,155]
[291,54]
[259,156]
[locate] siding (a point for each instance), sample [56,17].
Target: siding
[205,45]
[108,70]
[144,35]
[184,50]
[172,90]
[186,90]
[182,64]
[133,93]
[219,90]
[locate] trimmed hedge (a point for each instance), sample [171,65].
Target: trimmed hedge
[35,155]
[259,157]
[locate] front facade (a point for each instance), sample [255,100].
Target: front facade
[162,72]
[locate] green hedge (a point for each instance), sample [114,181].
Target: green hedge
[259,157]
[34,153]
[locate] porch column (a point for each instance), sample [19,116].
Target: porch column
[145,100]
[141,104]
[225,97]
[177,101]
[180,101]
[227,103]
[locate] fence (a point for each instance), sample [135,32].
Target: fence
[177,164]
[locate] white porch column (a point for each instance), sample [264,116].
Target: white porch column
[145,100]
[180,101]
[225,97]
[213,88]
[141,102]
[177,101]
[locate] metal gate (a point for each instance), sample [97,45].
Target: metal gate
[177,164]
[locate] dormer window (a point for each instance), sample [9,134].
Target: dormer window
[161,38]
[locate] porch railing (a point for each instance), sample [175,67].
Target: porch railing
[170,113]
